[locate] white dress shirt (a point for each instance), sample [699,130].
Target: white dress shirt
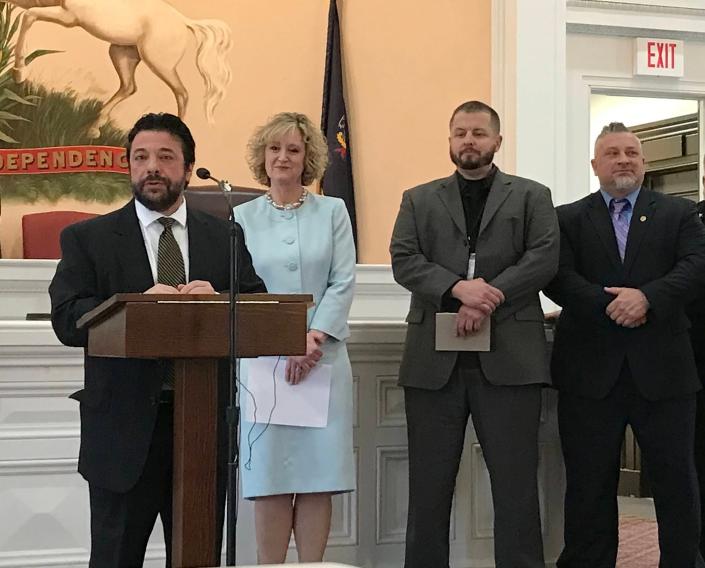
[152,230]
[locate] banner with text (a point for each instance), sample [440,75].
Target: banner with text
[63,159]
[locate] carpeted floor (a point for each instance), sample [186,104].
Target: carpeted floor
[638,543]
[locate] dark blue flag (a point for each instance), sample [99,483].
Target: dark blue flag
[338,180]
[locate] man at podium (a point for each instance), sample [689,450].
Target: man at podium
[154,244]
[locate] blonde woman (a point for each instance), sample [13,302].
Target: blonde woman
[300,243]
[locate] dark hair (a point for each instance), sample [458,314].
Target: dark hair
[611,128]
[479,106]
[165,122]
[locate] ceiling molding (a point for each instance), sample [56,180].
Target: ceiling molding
[635,20]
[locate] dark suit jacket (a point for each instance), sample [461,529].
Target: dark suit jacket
[102,257]
[696,313]
[665,259]
[517,252]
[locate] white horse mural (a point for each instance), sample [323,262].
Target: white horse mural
[152,31]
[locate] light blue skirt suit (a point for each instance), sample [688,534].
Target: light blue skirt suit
[309,250]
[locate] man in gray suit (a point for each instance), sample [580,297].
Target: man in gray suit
[481,243]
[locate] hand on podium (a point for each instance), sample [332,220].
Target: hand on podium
[196,287]
[161,289]
[193,287]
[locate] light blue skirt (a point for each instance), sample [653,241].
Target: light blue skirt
[292,459]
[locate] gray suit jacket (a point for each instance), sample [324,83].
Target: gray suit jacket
[517,251]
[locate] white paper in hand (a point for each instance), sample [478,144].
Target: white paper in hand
[304,404]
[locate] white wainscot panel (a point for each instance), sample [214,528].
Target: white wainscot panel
[392,494]
[390,406]
[344,517]
[44,508]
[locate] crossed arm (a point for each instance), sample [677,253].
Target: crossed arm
[630,306]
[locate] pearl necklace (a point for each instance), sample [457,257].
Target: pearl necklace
[286,206]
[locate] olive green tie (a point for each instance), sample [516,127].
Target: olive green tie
[170,262]
[170,271]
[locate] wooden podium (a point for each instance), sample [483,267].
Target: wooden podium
[193,330]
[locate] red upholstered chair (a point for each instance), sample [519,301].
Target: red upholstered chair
[40,232]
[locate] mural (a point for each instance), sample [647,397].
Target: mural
[59,143]
[137,30]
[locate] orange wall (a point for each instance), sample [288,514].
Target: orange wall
[407,65]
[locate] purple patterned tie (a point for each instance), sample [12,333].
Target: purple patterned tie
[619,208]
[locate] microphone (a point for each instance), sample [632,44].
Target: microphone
[204,173]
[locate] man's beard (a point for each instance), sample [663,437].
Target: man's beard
[472,160]
[161,201]
[627,182]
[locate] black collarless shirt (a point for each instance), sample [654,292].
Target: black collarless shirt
[473,194]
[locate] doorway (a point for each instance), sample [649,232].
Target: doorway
[669,130]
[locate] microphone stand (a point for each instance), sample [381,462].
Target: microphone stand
[233,412]
[233,409]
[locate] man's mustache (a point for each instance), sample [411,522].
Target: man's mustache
[154,177]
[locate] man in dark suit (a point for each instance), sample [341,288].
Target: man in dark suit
[696,313]
[154,244]
[630,261]
[481,243]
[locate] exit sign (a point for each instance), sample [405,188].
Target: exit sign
[658,57]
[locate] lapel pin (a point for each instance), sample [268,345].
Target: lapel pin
[642,218]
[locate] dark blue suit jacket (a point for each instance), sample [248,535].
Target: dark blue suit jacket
[665,259]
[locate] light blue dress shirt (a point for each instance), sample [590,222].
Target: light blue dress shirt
[631,197]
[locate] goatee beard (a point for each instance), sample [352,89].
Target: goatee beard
[626,183]
[162,201]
